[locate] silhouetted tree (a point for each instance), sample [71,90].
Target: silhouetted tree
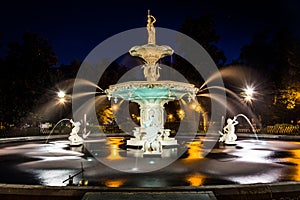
[25,75]
[276,55]
[203,31]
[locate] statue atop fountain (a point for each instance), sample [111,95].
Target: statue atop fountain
[151,30]
[75,139]
[151,52]
[229,137]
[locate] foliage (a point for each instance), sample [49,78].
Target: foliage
[25,76]
[276,55]
[290,97]
[106,117]
[203,31]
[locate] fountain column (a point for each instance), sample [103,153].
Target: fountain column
[152,112]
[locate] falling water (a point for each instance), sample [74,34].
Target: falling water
[247,119]
[55,127]
[222,89]
[214,76]
[84,82]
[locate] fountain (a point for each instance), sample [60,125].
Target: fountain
[151,95]
[55,163]
[229,137]
[74,138]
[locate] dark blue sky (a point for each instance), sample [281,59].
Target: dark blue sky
[74,28]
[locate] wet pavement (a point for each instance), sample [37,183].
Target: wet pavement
[250,161]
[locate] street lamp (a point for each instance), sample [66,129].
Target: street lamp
[61,100]
[61,94]
[61,97]
[248,94]
[249,91]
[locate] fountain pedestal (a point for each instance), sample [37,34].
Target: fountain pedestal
[151,97]
[139,139]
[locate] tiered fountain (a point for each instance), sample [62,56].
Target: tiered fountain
[151,95]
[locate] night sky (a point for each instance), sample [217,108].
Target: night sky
[74,28]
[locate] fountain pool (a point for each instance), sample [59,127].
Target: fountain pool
[250,161]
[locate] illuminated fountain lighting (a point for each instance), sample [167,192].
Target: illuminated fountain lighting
[151,95]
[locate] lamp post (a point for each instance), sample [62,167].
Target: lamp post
[248,97]
[247,94]
[61,100]
[61,97]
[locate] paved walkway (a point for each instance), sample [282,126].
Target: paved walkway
[283,190]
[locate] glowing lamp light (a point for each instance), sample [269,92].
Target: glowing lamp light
[181,112]
[61,94]
[115,107]
[193,106]
[248,98]
[249,91]
[248,94]
[62,100]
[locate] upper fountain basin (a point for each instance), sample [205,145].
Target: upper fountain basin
[151,53]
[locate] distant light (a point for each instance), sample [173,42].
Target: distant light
[135,169]
[61,94]
[114,107]
[249,91]
[62,100]
[248,98]
[193,106]
[90,159]
[152,162]
[248,94]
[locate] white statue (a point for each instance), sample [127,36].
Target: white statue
[151,68]
[150,27]
[152,143]
[152,140]
[229,136]
[74,137]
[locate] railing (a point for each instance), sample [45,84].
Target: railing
[283,129]
[248,130]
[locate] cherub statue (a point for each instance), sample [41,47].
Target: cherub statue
[76,128]
[229,136]
[74,137]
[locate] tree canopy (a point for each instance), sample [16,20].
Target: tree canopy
[277,56]
[25,76]
[203,30]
